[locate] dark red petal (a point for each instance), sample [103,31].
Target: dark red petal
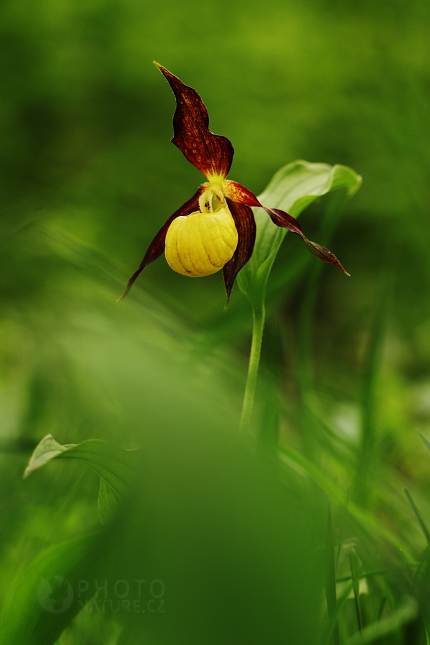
[246,229]
[209,152]
[156,247]
[280,218]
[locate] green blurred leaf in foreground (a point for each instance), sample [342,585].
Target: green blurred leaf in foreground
[210,547]
[115,467]
[43,601]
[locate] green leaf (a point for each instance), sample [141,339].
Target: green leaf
[109,502]
[405,614]
[330,581]
[115,466]
[353,561]
[49,594]
[425,441]
[418,514]
[292,189]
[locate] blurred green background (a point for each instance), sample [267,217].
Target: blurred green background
[88,176]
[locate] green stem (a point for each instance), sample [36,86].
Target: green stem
[258,314]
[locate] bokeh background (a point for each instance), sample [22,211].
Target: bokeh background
[88,176]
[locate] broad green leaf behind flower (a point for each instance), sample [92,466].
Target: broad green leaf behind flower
[292,189]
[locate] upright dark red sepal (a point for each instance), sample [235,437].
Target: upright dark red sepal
[246,229]
[156,247]
[281,218]
[209,152]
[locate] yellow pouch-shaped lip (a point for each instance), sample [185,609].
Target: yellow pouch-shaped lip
[200,244]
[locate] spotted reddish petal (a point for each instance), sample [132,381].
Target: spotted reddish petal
[209,152]
[238,193]
[156,247]
[246,229]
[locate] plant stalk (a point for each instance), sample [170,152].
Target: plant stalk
[258,315]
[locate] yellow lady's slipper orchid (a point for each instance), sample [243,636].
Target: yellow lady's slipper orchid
[215,229]
[200,244]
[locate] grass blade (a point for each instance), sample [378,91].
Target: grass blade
[330,580]
[418,514]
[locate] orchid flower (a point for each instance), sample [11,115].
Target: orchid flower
[215,229]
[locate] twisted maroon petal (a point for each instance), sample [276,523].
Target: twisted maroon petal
[156,247]
[209,152]
[241,194]
[246,230]
[281,218]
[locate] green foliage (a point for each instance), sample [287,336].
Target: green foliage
[115,467]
